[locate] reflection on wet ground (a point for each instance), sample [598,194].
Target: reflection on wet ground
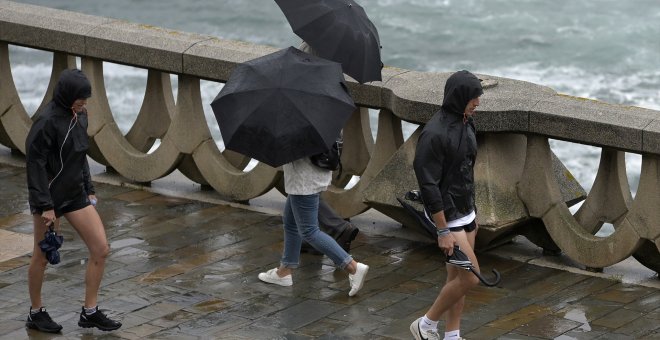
[183,269]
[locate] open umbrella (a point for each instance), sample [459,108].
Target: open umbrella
[338,30]
[283,106]
[459,259]
[50,245]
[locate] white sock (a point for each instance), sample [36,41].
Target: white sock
[427,324]
[90,311]
[453,335]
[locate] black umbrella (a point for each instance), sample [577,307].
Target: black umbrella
[50,244]
[427,225]
[338,30]
[458,258]
[283,106]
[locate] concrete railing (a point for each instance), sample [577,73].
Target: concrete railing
[520,182]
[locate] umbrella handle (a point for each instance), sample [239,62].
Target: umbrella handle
[493,283]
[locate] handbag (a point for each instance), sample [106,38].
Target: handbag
[330,159]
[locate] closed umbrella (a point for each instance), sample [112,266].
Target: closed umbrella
[338,30]
[283,106]
[50,245]
[460,259]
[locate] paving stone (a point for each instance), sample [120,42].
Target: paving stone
[624,293]
[485,333]
[646,304]
[523,316]
[639,327]
[138,332]
[181,269]
[617,319]
[547,327]
[300,315]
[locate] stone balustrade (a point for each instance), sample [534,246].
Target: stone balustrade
[522,188]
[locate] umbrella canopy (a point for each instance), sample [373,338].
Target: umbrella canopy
[50,244]
[283,106]
[460,259]
[338,30]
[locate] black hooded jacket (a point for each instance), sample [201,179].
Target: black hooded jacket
[447,149]
[57,147]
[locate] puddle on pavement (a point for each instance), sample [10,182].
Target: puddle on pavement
[578,315]
[116,244]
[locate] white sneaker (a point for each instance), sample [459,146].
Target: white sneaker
[357,279]
[419,334]
[272,277]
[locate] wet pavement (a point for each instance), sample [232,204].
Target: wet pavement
[187,269]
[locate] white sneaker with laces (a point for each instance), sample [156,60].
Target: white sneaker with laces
[419,334]
[272,277]
[357,279]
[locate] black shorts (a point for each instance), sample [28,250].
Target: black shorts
[72,205]
[468,227]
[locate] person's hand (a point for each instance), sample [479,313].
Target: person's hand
[48,216]
[446,243]
[92,199]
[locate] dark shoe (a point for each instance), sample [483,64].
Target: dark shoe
[347,236]
[41,321]
[98,320]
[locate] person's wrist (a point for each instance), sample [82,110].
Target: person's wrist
[442,232]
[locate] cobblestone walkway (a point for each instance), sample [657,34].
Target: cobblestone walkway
[182,269]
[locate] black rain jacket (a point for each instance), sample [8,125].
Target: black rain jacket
[47,152]
[447,149]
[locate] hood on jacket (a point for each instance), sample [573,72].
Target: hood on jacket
[71,86]
[460,88]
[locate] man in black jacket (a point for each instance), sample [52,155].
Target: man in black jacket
[444,167]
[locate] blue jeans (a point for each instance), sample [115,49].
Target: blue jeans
[301,221]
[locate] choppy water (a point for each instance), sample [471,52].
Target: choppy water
[603,49]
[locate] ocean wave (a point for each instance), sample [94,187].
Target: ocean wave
[638,89]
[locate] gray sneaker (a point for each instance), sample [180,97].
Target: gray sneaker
[421,335]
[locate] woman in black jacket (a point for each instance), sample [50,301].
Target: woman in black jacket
[444,167]
[59,185]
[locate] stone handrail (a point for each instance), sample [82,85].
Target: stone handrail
[520,182]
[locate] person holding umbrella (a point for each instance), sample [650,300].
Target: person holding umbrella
[303,183]
[281,109]
[444,167]
[59,184]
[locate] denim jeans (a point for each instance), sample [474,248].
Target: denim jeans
[301,221]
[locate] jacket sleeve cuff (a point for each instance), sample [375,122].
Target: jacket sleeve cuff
[435,208]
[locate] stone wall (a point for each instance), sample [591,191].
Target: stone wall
[520,182]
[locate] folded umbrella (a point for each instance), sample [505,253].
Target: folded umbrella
[460,259]
[339,30]
[283,106]
[419,216]
[50,245]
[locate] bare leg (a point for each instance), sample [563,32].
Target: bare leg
[455,289]
[453,316]
[38,262]
[87,223]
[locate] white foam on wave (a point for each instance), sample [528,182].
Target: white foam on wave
[639,89]
[31,83]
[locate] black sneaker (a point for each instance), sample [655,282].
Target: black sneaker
[98,320]
[41,321]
